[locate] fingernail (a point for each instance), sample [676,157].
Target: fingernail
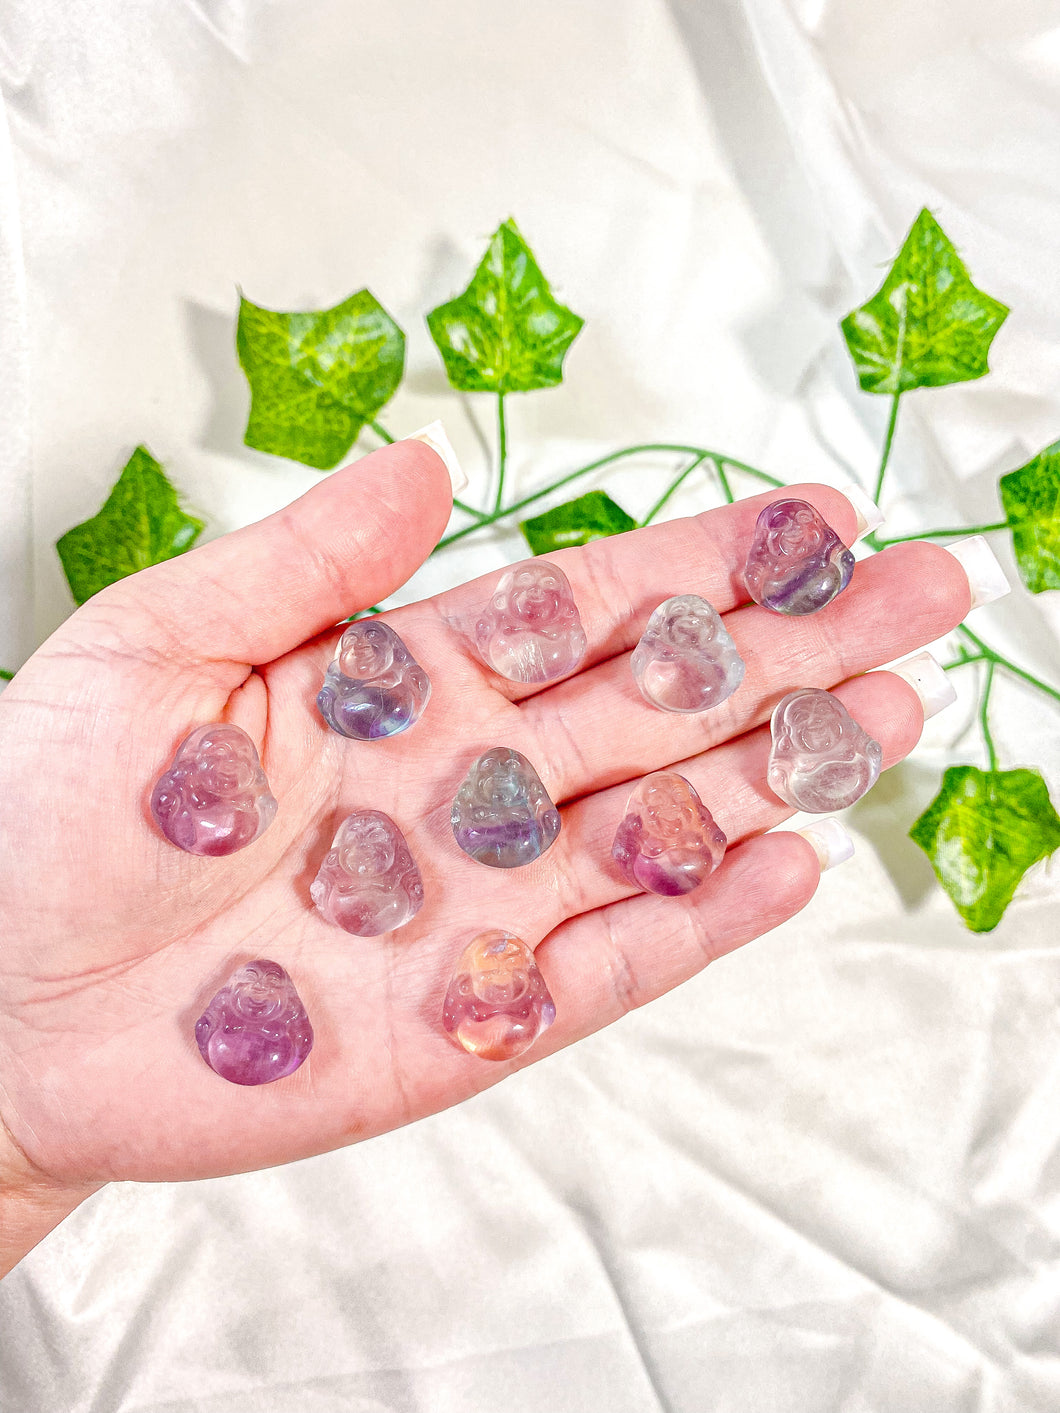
[829,841]
[928,679]
[434,436]
[986,578]
[869,514]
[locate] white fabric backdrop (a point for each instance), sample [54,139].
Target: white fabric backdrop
[824,1175]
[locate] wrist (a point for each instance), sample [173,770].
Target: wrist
[31,1202]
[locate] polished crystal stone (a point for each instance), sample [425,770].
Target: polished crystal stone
[255,1029]
[497,1003]
[531,630]
[821,759]
[668,842]
[686,661]
[375,687]
[502,815]
[797,563]
[368,883]
[214,798]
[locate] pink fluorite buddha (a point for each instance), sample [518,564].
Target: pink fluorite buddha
[686,660]
[820,759]
[667,842]
[214,798]
[497,1003]
[368,883]
[255,1029]
[531,631]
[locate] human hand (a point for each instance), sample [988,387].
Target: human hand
[115,940]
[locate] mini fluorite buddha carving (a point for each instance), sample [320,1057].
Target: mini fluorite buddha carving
[531,631]
[820,759]
[668,841]
[368,883]
[797,563]
[214,798]
[502,815]
[686,661]
[497,1003]
[375,687]
[255,1029]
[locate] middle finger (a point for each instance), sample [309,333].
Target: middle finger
[596,729]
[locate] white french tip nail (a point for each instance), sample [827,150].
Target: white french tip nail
[986,578]
[928,679]
[829,841]
[869,515]
[434,436]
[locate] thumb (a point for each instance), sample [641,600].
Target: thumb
[259,592]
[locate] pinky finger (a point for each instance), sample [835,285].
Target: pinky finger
[602,964]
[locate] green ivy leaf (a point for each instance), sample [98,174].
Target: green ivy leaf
[927,324]
[593,516]
[141,523]
[1031,497]
[982,832]
[317,377]
[505,333]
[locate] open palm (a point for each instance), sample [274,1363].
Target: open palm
[115,940]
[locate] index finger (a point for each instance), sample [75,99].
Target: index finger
[617,582]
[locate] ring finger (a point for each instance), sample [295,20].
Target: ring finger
[730,780]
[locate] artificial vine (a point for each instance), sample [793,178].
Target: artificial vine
[318,378]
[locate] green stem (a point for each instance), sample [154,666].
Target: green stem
[942,534]
[5,676]
[743,466]
[470,510]
[1006,666]
[987,652]
[381,431]
[723,481]
[653,512]
[963,661]
[606,461]
[886,455]
[873,540]
[984,717]
[502,453]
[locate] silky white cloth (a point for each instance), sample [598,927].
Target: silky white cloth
[823,1176]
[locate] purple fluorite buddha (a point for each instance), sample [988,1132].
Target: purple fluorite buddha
[531,631]
[497,1003]
[820,760]
[368,883]
[502,815]
[668,842]
[797,563]
[375,687]
[686,661]
[214,798]
[255,1029]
